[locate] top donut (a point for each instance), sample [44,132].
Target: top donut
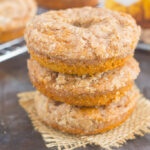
[82,40]
[14,14]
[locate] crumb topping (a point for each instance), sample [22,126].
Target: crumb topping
[84,118]
[100,82]
[74,34]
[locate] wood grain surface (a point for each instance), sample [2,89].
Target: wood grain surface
[16,131]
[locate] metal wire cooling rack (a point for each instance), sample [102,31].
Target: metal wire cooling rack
[143,46]
[11,49]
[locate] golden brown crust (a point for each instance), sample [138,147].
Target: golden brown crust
[77,67]
[83,43]
[100,89]
[10,35]
[83,120]
[13,21]
[63,4]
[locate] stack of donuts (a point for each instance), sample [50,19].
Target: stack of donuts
[83,68]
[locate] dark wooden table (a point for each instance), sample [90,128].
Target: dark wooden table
[16,131]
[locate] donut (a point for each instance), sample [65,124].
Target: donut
[85,90]
[14,14]
[84,120]
[63,4]
[73,42]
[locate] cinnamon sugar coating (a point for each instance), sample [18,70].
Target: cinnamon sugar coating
[100,89]
[14,14]
[63,4]
[83,120]
[83,38]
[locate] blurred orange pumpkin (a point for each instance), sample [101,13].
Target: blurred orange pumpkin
[139,9]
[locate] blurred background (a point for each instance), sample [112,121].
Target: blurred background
[139,9]
[16,130]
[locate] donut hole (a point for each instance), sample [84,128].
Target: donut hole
[83,24]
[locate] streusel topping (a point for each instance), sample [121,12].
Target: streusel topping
[83,34]
[100,82]
[84,118]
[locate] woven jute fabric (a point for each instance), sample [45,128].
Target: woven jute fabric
[137,124]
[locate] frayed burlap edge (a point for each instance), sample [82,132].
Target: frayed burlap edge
[137,124]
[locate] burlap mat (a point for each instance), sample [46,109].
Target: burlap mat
[137,124]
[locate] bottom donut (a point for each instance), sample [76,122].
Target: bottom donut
[85,120]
